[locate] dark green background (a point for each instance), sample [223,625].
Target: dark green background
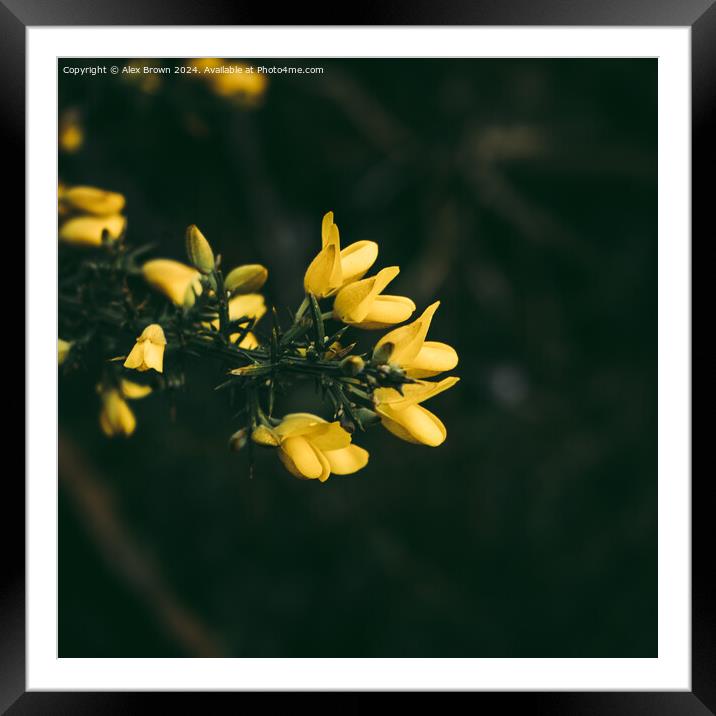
[523,195]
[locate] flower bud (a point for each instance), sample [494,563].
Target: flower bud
[266,437]
[347,423]
[198,250]
[246,279]
[382,353]
[238,440]
[352,365]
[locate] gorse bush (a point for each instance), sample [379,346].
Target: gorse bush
[142,320]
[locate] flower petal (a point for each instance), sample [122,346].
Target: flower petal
[154,333]
[304,457]
[88,230]
[347,460]
[135,359]
[413,393]
[91,200]
[408,340]
[153,356]
[134,391]
[249,341]
[356,259]
[249,305]
[398,430]
[116,417]
[171,278]
[63,350]
[387,311]
[354,300]
[326,225]
[298,424]
[422,425]
[323,276]
[433,358]
[329,436]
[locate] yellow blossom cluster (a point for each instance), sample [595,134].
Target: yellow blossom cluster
[360,302]
[309,446]
[389,385]
[87,214]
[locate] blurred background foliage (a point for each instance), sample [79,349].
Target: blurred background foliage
[523,195]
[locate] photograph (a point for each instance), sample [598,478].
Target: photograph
[357,357]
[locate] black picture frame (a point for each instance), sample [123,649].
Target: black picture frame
[700,15]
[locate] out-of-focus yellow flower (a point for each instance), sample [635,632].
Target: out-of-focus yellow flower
[91,200]
[88,213]
[419,358]
[88,230]
[403,415]
[246,279]
[202,63]
[238,81]
[249,305]
[63,350]
[333,268]
[311,448]
[232,80]
[134,391]
[172,278]
[116,417]
[70,135]
[361,304]
[148,351]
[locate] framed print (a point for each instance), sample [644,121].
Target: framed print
[373,354]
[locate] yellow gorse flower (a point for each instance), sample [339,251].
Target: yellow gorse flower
[312,448]
[89,213]
[172,278]
[249,305]
[70,135]
[362,304]
[419,358]
[248,278]
[116,417]
[134,391]
[90,200]
[333,268]
[403,415]
[148,351]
